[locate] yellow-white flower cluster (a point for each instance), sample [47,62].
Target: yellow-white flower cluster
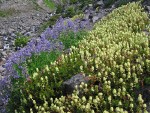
[117,53]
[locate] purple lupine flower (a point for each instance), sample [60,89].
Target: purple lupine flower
[42,43]
[37,45]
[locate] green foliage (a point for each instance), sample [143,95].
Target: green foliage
[73,1]
[115,54]
[48,23]
[36,5]
[147,81]
[71,39]
[59,9]
[21,40]
[8,12]
[70,12]
[39,61]
[73,8]
[50,4]
[109,2]
[85,2]
[79,16]
[122,2]
[53,86]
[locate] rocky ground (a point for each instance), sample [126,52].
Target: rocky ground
[25,18]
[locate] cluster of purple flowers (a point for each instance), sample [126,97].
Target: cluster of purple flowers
[43,43]
[37,45]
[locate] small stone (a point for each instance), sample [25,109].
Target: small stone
[4,53]
[13,34]
[6,46]
[23,31]
[28,34]
[95,18]
[2,69]
[90,5]
[37,14]
[5,38]
[1,45]
[100,3]
[86,17]
[10,30]
[148,9]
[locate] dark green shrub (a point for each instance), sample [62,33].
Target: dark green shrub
[147,80]
[50,23]
[70,12]
[50,4]
[39,61]
[59,9]
[84,3]
[71,39]
[122,2]
[73,1]
[107,3]
[21,41]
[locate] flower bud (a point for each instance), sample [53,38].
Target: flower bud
[111,109]
[56,68]
[47,68]
[41,78]
[109,98]
[83,99]
[144,105]
[114,91]
[120,80]
[35,75]
[131,105]
[105,111]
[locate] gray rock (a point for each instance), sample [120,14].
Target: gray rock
[86,16]
[146,2]
[100,3]
[69,85]
[13,34]
[148,8]
[27,34]
[11,30]
[5,38]
[23,31]
[95,18]
[6,46]
[1,44]
[90,5]
[2,69]
[4,53]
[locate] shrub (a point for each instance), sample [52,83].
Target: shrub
[39,61]
[109,2]
[7,12]
[49,23]
[70,12]
[73,1]
[60,9]
[21,40]
[122,2]
[50,4]
[71,39]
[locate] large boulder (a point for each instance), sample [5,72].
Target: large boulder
[69,85]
